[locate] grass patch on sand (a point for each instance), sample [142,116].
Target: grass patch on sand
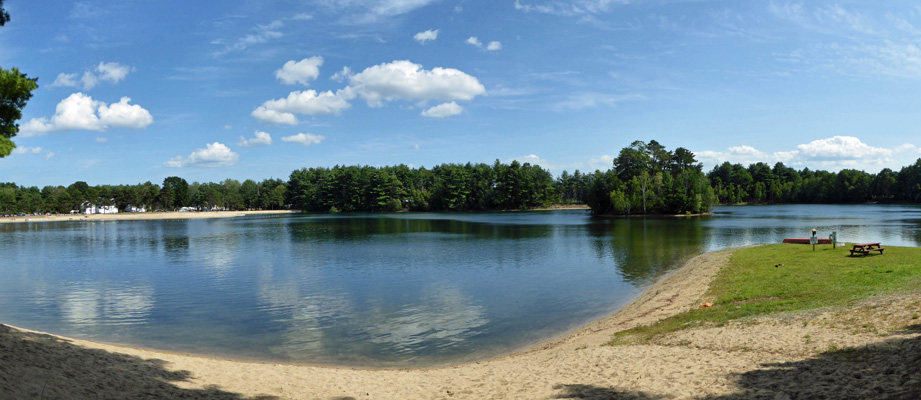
[790,277]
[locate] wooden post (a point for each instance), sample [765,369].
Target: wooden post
[813,240]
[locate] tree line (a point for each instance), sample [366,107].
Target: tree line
[645,178]
[447,187]
[760,183]
[174,194]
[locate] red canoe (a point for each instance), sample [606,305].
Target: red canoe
[806,240]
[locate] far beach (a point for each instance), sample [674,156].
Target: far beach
[861,351]
[140,216]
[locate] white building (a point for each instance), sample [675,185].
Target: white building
[94,209]
[89,208]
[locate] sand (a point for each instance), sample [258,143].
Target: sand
[139,216]
[870,350]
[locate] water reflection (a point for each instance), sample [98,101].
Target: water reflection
[444,318]
[395,289]
[644,248]
[337,228]
[86,304]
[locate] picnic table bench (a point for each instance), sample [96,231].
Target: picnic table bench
[866,248]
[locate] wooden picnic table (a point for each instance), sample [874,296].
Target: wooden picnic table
[866,248]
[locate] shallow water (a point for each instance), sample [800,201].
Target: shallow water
[374,290]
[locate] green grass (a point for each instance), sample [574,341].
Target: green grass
[755,285]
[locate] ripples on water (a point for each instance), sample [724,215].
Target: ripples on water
[382,290]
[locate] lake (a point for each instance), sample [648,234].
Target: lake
[416,289]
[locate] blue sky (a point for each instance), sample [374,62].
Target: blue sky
[132,91]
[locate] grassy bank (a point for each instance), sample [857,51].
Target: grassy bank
[789,277]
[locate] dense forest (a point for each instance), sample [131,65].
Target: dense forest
[447,187]
[762,184]
[648,179]
[645,178]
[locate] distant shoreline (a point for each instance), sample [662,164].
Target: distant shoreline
[177,215]
[140,216]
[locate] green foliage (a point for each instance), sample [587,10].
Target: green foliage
[573,189]
[447,187]
[175,193]
[759,184]
[15,91]
[6,146]
[784,277]
[647,179]
[4,16]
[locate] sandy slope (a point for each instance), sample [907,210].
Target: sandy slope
[876,354]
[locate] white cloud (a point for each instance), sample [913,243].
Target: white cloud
[744,149]
[604,162]
[398,80]
[301,72]
[408,81]
[491,46]
[825,18]
[261,139]
[124,115]
[832,154]
[443,110]
[77,111]
[583,100]
[262,34]
[80,112]
[785,156]
[65,80]
[214,155]
[743,154]
[33,150]
[100,139]
[27,150]
[274,117]
[89,80]
[343,75]
[858,43]
[305,139]
[568,7]
[426,36]
[533,159]
[841,147]
[112,72]
[474,41]
[308,102]
[104,72]
[397,7]
[361,11]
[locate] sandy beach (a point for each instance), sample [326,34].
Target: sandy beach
[140,216]
[870,350]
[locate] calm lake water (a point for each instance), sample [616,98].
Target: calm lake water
[374,290]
